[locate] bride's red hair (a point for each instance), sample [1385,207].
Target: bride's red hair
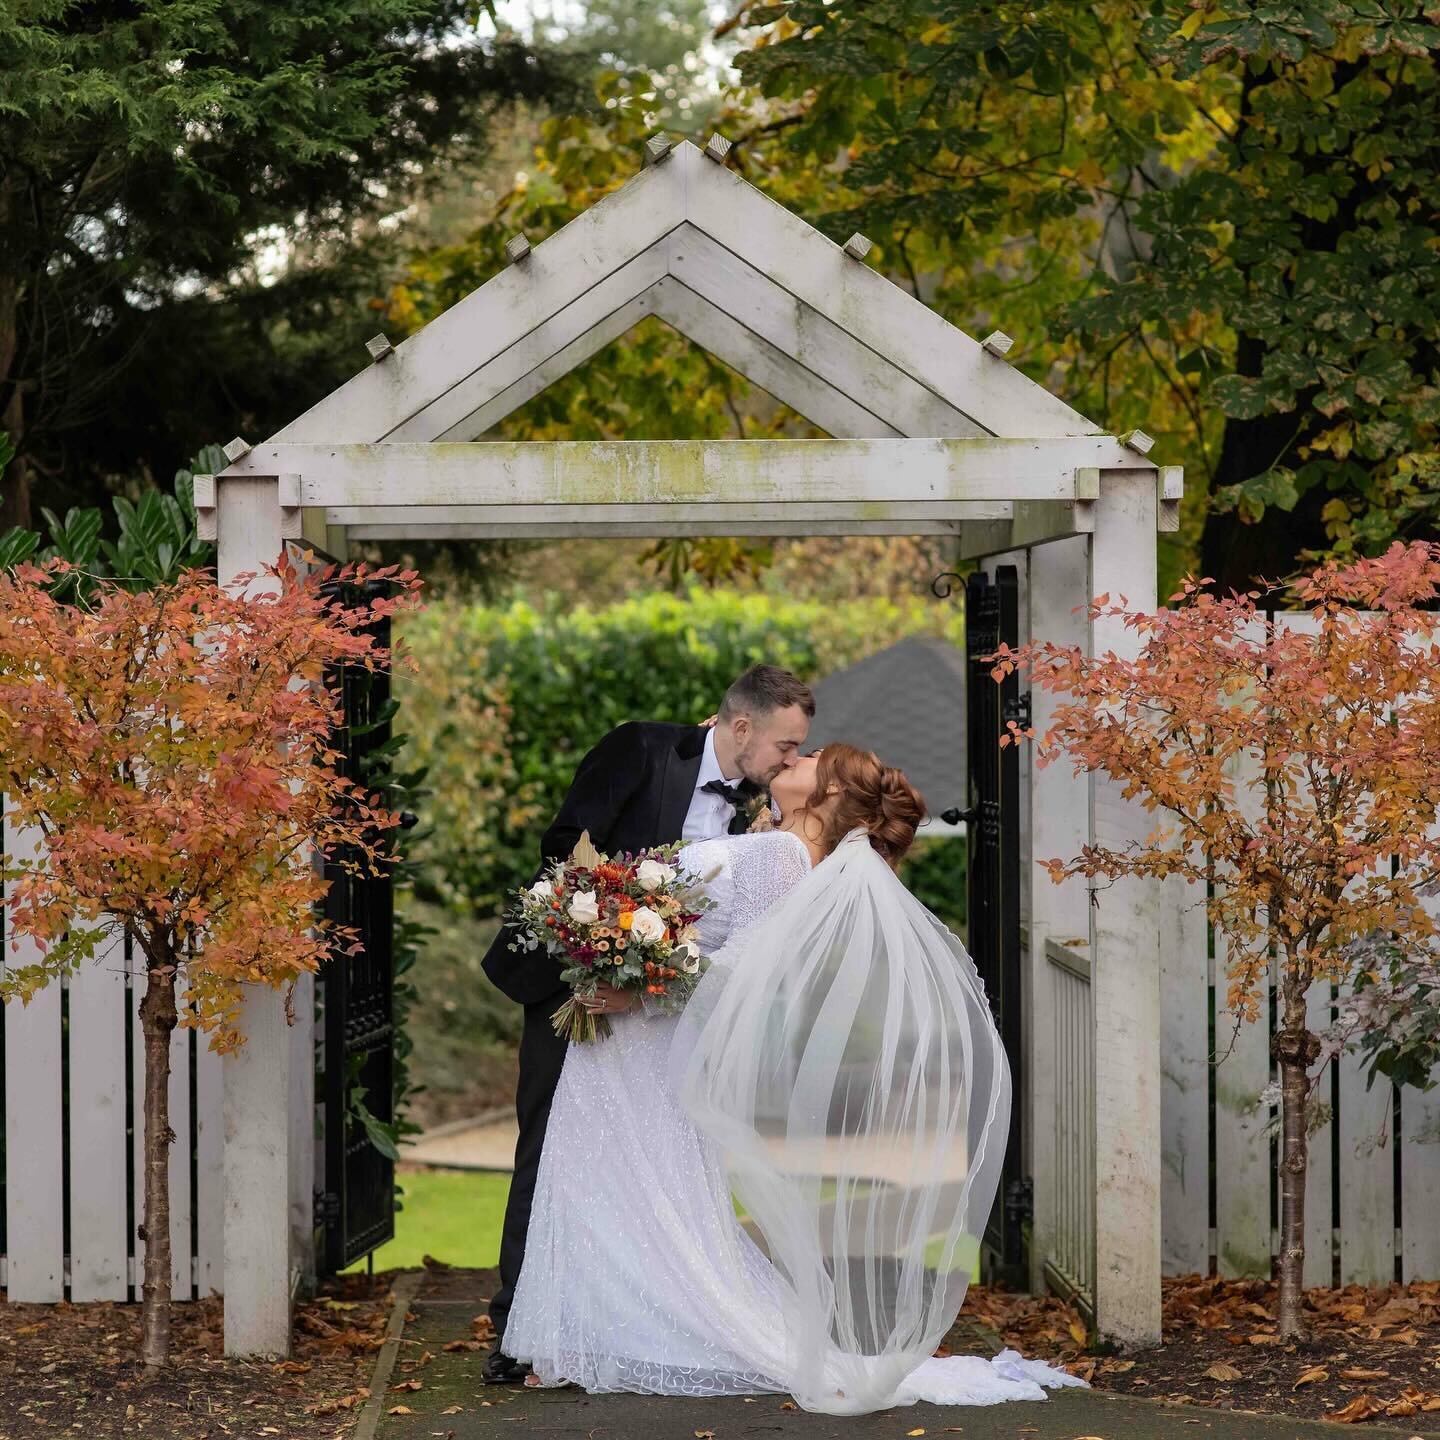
[871,795]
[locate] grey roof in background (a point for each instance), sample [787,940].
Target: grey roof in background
[906,703]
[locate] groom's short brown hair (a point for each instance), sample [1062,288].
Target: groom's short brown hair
[765,688]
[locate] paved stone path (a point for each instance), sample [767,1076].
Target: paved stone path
[447,1300]
[485,1142]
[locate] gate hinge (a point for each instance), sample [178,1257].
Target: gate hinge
[1020,1200]
[327,1206]
[1017,710]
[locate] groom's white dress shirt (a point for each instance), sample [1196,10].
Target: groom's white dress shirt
[709,815]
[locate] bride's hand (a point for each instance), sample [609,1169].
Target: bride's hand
[607,1000]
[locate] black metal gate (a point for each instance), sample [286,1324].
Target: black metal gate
[992,616]
[355,1181]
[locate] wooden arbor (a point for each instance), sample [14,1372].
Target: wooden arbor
[933,431]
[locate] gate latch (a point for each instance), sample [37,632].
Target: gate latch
[1017,710]
[327,1207]
[1020,1200]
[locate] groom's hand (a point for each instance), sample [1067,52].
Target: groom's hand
[607,1000]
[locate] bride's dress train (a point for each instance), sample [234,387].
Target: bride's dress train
[638,1274]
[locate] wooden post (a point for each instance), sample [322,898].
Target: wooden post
[1124,950]
[257,1077]
[1059,803]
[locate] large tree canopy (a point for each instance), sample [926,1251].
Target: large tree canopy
[161,165]
[1224,216]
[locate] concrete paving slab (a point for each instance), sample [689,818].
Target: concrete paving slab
[484,1142]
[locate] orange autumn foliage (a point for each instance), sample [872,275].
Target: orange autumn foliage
[1342,723]
[174,748]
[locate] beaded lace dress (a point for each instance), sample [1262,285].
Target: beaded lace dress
[638,1276]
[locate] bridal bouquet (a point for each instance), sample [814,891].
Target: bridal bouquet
[628,920]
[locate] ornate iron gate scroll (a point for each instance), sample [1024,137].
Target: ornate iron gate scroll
[354,1026]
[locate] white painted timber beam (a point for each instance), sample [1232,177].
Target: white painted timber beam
[259,1158]
[593,246]
[811,338]
[999,398]
[540,377]
[1038,522]
[421,390]
[1125,959]
[793,384]
[729,309]
[534,359]
[658,528]
[650,471]
[846,414]
[671,514]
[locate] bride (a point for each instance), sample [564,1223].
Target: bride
[838,1073]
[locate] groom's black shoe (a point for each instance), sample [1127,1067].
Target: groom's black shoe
[500,1369]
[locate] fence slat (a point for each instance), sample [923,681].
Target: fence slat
[209,1168]
[1419,1142]
[1242,1049]
[179,1098]
[1184,1078]
[34,1159]
[1420,1184]
[98,1240]
[1320,1177]
[1367,1176]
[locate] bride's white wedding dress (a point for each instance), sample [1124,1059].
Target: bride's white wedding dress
[838,1070]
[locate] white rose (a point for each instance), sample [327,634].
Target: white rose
[646,925]
[541,890]
[689,958]
[652,874]
[584,909]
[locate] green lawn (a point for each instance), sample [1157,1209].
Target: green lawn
[454,1215]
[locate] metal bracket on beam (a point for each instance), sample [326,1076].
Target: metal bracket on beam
[998,343]
[517,247]
[857,246]
[379,347]
[717,147]
[657,147]
[203,493]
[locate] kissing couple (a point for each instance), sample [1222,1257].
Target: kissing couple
[836,1072]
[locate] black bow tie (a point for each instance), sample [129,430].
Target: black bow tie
[738,795]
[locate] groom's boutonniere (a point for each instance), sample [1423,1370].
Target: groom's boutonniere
[759,813]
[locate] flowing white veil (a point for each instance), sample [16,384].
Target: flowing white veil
[842,1057]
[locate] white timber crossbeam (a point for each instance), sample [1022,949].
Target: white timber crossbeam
[846,476]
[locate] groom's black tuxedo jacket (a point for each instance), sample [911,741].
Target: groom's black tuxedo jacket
[631,791]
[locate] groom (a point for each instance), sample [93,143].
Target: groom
[644,784]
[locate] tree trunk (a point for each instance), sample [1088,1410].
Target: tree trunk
[1295,1051]
[15,486]
[158,1019]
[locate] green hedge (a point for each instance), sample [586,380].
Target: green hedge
[507,700]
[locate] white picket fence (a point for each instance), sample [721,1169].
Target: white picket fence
[1373,1197]
[73,1120]
[74,1127]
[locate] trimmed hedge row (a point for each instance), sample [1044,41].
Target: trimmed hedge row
[507,700]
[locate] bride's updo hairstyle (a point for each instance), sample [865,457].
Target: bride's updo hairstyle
[874,796]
